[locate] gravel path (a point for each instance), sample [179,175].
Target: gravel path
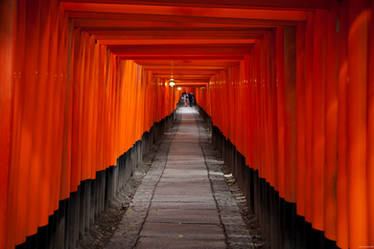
[185,200]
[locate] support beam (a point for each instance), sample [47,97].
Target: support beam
[261,14]
[319,4]
[177,42]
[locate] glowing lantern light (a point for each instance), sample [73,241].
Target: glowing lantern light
[171,82]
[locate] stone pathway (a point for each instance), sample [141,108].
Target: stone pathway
[183,201]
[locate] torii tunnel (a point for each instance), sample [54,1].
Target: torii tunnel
[286,85]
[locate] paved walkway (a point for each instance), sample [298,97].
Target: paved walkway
[183,202]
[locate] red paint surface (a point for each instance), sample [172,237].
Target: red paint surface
[308,130]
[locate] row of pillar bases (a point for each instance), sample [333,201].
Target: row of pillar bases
[281,227]
[79,212]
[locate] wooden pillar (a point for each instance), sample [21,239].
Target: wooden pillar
[331,123]
[7,20]
[290,133]
[370,152]
[357,122]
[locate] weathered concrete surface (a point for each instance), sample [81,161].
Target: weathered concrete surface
[183,202]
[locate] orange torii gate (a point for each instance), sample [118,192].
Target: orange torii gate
[292,90]
[299,109]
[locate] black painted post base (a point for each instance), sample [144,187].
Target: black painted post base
[76,214]
[281,225]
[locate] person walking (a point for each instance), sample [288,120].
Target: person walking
[190,98]
[185,99]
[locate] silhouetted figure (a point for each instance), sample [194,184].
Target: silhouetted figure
[182,99]
[185,99]
[191,98]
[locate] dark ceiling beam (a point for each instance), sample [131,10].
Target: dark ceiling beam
[319,4]
[182,71]
[86,18]
[183,75]
[177,41]
[181,56]
[182,67]
[138,34]
[197,77]
[192,81]
[188,63]
[191,85]
[93,25]
[250,13]
[176,50]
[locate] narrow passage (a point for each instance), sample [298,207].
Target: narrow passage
[181,203]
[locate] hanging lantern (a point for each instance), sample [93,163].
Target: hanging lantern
[171,82]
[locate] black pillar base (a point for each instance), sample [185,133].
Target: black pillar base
[281,226]
[76,214]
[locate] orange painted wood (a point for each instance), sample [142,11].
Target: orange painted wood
[64,129]
[280,111]
[342,180]
[290,112]
[266,14]
[231,4]
[358,16]
[7,29]
[300,118]
[370,152]
[318,122]
[85,103]
[331,126]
